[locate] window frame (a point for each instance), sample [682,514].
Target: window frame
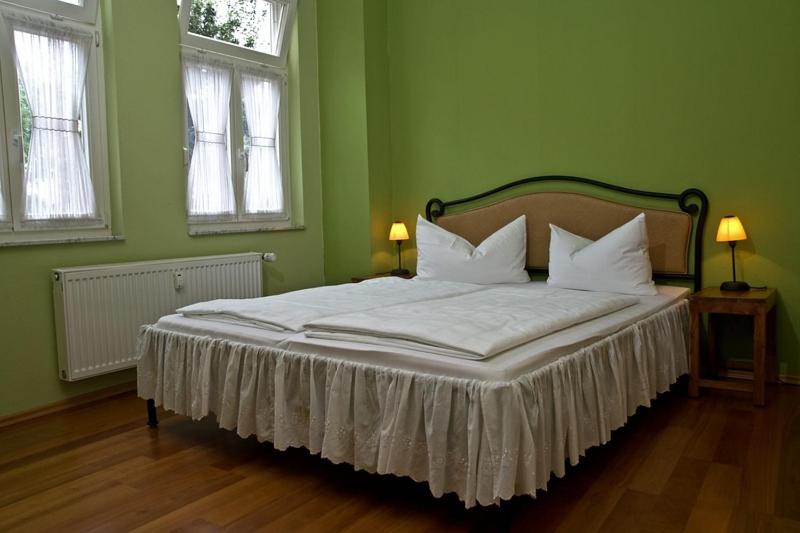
[18,231]
[242,222]
[6,225]
[86,12]
[201,42]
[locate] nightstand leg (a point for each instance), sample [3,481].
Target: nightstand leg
[772,352]
[759,357]
[694,355]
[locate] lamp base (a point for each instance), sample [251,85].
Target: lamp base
[734,286]
[399,272]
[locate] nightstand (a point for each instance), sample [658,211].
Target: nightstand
[359,279]
[760,304]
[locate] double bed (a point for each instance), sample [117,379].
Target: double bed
[486,424]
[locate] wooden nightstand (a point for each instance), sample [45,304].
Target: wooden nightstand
[359,279]
[760,304]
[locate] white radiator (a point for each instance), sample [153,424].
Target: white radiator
[99,309]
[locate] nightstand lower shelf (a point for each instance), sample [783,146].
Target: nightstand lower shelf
[726,384]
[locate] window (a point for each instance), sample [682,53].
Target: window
[77,10]
[253,30]
[237,164]
[54,182]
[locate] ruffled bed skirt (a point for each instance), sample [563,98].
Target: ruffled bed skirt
[483,440]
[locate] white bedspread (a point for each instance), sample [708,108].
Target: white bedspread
[290,311]
[473,325]
[484,440]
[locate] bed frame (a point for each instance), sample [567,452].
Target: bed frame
[679,246]
[692,204]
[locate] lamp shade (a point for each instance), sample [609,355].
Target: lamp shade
[730,229]
[398,232]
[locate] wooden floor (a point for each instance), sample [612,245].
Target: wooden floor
[713,464]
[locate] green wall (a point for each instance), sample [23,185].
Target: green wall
[146,138]
[354,124]
[393,102]
[653,95]
[376,65]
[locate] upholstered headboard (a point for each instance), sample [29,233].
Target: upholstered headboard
[671,232]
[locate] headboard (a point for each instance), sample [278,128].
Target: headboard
[671,232]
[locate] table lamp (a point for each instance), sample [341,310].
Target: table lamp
[398,233]
[731,230]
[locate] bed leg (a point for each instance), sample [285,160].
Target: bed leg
[152,415]
[493,518]
[503,520]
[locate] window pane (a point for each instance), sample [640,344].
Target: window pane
[263,185]
[210,188]
[51,67]
[253,24]
[189,131]
[4,211]
[25,121]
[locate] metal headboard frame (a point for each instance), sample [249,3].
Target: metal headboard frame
[698,209]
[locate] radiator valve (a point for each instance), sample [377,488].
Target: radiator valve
[177,280]
[269,257]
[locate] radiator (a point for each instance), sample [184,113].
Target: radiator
[99,309]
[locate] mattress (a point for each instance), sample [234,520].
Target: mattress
[504,366]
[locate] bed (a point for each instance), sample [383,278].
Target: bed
[485,428]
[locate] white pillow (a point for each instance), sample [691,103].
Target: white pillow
[617,262]
[446,256]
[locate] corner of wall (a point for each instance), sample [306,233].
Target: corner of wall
[376,66]
[353,86]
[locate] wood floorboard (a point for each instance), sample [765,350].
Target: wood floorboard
[787,489]
[760,472]
[672,509]
[711,464]
[705,441]
[734,441]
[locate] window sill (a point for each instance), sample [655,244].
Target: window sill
[196,230]
[61,240]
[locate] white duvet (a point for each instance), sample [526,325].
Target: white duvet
[292,310]
[472,325]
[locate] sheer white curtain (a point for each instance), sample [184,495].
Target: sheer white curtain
[52,66]
[208,92]
[3,210]
[263,187]
[277,12]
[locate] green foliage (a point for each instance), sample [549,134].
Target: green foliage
[27,119]
[243,18]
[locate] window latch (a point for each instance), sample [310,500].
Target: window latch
[17,141]
[244,156]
